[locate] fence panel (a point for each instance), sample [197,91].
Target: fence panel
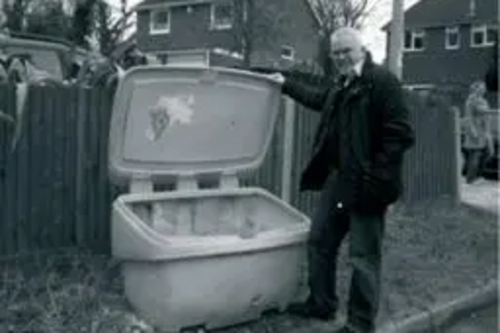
[305,127]
[53,186]
[8,106]
[431,165]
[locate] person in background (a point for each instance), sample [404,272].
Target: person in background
[357,164]
[478,141]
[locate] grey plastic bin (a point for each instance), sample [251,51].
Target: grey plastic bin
[200,257]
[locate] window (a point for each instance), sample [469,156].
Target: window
[287,52]
[221,16]
[483,35]
[452,38]
[160,21]
[414,40]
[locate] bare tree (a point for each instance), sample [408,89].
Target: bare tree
[95,17]
[81,25]
[15,12]
[110,30]
[43,17]
[338,13]
[48,18]
[333,14]
[255,24]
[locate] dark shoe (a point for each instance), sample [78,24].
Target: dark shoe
[310,310]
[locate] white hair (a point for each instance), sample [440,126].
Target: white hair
[350,33]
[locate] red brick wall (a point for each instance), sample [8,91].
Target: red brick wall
[437,65]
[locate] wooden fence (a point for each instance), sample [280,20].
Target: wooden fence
[54,187]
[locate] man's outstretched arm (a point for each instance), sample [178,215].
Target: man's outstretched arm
[309,95]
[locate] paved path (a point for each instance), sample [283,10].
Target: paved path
[482,194]
[483,321]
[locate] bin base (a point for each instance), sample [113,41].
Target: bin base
[214,292]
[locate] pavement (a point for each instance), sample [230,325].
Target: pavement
[480,321]
[452,314]
[482,194]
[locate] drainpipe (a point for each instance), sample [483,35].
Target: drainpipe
[472,8]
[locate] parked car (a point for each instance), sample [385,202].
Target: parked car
[39,58]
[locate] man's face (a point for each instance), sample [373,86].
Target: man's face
[346,53]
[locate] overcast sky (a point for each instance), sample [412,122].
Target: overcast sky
[374,38]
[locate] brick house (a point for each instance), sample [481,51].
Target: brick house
[212,31]
[448,43]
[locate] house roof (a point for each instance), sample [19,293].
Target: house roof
[439,13]
[148,4]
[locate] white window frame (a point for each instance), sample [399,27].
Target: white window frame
[213,24]
[290,49]
[156,31]
[449,31]
[483,29]
[414,35]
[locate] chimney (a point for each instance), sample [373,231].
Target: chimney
[472,8]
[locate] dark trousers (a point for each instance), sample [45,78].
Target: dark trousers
[474,163]
[329,227]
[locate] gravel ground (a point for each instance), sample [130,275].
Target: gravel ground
[433,253]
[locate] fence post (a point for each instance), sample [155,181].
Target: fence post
[81,164]
[21,95]
[288,144]
[458,153]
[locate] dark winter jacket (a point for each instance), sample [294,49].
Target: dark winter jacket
[362,136]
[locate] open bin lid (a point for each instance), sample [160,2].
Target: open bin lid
[169,121]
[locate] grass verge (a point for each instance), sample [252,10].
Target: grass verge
[433,253]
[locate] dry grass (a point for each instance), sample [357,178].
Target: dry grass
[433,253]
[63,293]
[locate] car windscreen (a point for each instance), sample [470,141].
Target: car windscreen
[46,60]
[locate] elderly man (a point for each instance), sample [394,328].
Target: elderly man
[357,163]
